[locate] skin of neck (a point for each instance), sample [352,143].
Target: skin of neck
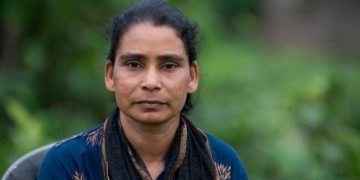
[151,141]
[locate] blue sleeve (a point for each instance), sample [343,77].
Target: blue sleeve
[226,157]
[238,171]
[53,167]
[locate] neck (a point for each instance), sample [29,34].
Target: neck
[150,141]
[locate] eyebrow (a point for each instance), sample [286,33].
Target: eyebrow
[170,57]
[164,57]
[130,56]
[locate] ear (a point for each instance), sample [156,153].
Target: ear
[194,74]
[109,82]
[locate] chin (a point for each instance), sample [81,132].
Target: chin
[149,117]
[152,117]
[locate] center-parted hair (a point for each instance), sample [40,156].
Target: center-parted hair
[159,13]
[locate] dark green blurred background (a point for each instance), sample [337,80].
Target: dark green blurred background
[280,80]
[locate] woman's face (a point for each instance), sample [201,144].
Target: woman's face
[151,75]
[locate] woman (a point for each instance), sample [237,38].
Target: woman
[152,71]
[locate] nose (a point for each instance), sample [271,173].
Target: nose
[151,80]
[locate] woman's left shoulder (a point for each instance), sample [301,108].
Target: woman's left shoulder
[228,163]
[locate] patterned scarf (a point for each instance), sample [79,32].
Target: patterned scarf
[188,158]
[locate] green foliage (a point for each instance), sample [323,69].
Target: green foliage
[285,113]
[28,127]
[289,114]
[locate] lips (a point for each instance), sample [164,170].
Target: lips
[150,104]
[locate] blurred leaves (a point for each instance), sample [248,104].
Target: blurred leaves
[28,133]
[284,114]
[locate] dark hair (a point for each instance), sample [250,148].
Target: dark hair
[159,13]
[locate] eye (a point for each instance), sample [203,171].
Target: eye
[133,64]
[169,66]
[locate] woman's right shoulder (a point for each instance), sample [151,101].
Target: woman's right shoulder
[67,155]
[78,142]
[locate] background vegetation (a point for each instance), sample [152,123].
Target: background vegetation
[289,112]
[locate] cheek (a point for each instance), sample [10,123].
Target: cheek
[124,84]
[179,87]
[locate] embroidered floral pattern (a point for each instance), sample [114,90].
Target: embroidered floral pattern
[78,176]
[94,138]
[224,171]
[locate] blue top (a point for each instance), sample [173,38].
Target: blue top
[80,157]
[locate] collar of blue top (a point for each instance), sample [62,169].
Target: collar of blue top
[188,158]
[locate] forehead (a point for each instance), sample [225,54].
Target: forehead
[150,38]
